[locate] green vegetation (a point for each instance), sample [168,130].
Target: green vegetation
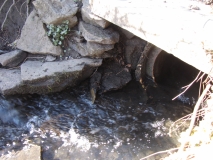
[58,33]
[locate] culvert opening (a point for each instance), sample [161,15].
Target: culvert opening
[171,71]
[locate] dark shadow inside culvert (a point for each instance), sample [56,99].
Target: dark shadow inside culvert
[171,71]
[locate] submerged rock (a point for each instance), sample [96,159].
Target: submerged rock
[55,12]
[95,34]
[13,58]
[34,38]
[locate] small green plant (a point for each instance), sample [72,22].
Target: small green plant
[57,33]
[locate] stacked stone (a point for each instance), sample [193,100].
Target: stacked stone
[91,39]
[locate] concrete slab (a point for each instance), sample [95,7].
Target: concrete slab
[182,28]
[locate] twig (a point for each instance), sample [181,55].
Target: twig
[194,116]
[28,1]
[7,15]
[3,5]
[200,112]
[189,85]
[172,149]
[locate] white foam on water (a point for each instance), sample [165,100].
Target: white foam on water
[72,138]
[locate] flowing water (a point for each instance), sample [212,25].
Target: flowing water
[126,124]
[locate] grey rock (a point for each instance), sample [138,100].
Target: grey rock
[71,53]
[90,49]
[97,50]
[134,48]
[79,47]
[91,18]
[42,78]
[114,76]
[50,58]
[55,11]
[95,34]
[36,71]
[34,38]
[12,59]
[1,52]
[32,153]
[10,81]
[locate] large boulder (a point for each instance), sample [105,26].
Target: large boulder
[91,18]
[42,78]
[34,38]
[56,76]
[13,58]
[98,35]
[55,11]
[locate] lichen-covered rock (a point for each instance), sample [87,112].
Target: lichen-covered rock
[55,11]
[95,34]
[34,38]
[13,58]
[91,18]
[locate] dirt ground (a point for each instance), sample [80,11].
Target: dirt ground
[13,23]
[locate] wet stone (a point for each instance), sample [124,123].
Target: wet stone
[114,76]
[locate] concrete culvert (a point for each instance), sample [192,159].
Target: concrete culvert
[168,70]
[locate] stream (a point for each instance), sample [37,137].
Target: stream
[126,124]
